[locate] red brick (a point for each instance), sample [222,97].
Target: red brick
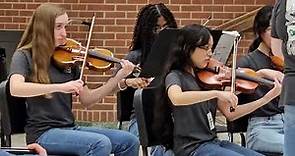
[263,2]
[123,36]
[116,1]
[244,2]
[159,1]
[211,8]
[115,43]
[103,116]
[115,14]
[137,1]
[191,8]
[91,1]
[19,6]
[11,13]
[18,20]
[222,1]
[115,28]
[202,1]
[125,21]
[180,1]
[126,7]
[71,1]
[234,8]
[223,15]
[6,19]
[182,15]
[201,15]
[101,7]
[5,6]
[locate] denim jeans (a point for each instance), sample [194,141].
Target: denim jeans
[89,141]
[2,153]
[289,144]
[266,134]
[155,150]
[222,148]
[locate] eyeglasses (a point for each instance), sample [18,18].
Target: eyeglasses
[158,28]
[207,48]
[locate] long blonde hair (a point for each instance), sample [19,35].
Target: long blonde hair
[38,39]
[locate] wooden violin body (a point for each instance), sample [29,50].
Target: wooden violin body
[247,80]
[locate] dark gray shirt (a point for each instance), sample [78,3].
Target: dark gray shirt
[44,113]
[256,60]
[191,125]
[279,30]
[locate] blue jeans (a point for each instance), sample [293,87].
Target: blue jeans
[156,150]
[261,129]
[222,148]
[2,153]
[89,141]
[289,144]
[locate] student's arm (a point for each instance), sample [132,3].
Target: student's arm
[247,108]
[91,96]
[20,88]
[179,97]
[276,47]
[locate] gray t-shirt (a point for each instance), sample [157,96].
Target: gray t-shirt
[256,60]
[44,113]
[279,30]
[191,125]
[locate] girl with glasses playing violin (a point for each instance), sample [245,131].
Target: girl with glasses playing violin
[194,107]
[48,92]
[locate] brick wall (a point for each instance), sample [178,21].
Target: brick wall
[114,26]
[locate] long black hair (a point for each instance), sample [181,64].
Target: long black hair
[261,23]
[190,37]
[144,30]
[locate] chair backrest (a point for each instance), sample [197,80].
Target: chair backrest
[154,118]
[13,111]
[125,104]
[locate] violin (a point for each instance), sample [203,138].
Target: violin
[98,59]
[247,80]
[277,62]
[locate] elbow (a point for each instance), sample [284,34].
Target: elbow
[13,89]
[176,101]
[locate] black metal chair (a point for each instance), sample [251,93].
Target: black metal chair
[13,119]
[154,118]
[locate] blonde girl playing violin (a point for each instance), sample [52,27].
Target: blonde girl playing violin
[49,90]
[194,108]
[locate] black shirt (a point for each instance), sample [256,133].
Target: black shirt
[256,60]
[44,113]
[191,125]
[279,30]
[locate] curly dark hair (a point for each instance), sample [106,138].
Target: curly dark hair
[146,24]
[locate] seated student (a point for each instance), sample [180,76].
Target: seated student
[266,124]
[150,20]
[194,108]
[48,90]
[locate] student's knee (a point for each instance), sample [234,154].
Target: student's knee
[101,145]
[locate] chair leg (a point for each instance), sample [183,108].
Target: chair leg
[145,151]
[120,125]
[243,140]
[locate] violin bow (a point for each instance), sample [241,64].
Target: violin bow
[87,47]
[234,65]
